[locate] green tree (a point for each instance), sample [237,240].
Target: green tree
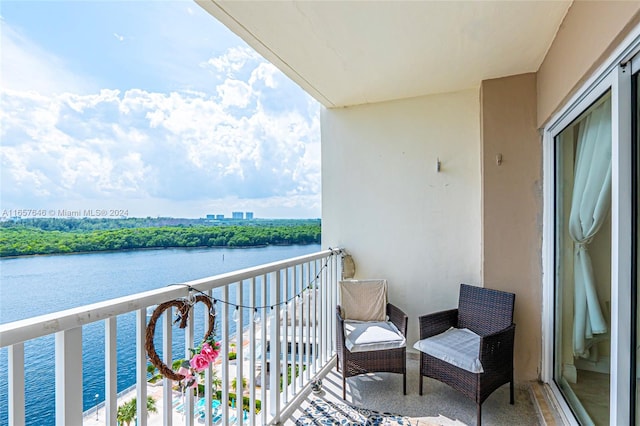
[127,412]
[28,237]
[154,373]
[234,383]
[216,382]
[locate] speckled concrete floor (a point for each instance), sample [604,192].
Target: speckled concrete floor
[439,405]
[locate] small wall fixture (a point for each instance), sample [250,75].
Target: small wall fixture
[499,159]
[438,164]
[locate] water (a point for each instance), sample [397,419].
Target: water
[34,286]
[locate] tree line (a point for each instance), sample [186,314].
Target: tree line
[30,240]
[94,224]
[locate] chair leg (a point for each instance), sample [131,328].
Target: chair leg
[420,380]
[344,387]
[479,415]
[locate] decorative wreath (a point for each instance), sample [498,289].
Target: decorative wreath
[183,306]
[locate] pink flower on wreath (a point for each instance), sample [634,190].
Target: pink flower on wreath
[209,352]
[199,362]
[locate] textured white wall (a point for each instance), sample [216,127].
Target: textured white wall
[384,201]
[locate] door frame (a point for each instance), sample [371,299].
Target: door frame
[635,235]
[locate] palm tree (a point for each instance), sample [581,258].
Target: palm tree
[127,412]
[216,381]
[151,405]
[234,384]
[153,371]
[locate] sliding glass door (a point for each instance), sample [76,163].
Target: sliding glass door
[583,262]
[592,240]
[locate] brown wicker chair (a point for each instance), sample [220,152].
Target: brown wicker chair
[489,314]
[372,361]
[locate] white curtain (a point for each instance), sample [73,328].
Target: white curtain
[590,205]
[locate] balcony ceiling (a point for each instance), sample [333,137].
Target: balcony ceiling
[355,52]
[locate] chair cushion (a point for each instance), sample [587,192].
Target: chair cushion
[457,346]
[363,300]
[372,336]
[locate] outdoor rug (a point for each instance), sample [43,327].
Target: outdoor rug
[321,412]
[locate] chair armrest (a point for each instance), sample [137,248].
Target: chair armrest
[398,318]
[437,323]
[496,349]
[339,319]
[339,329]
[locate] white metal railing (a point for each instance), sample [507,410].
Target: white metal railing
[298,294]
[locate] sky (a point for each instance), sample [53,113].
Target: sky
[152,108]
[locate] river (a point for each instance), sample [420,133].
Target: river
[32,286]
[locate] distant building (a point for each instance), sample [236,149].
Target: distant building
[248,215]
[211,216]
[219,216]
[237,215]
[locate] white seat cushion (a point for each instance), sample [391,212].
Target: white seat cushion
[372,336]
[457,346]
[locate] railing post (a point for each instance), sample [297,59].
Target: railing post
[290,350]
[252,352]
[284,339]
[325,316]
[311,322]
[111,371]
[167,358]
[141,367]
[16,384]
[274,350]
[263,352]
[68,356]
[239,354]
[298,278]
[334,302]
[208,377]
[188,343]
[224,400]
[315,338]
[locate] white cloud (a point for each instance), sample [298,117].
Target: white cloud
[118,37]
[264,73]
[233,60]
[197,151]
[234,93]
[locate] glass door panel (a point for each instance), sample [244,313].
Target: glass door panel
[583,263]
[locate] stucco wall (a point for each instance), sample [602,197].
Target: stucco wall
[384,201]
[587,35]
[512,208]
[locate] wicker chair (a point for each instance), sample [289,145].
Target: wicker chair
[487,313]
[374,359]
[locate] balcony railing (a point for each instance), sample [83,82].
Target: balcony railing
[286,322]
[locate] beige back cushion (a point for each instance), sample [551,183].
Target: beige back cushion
[363,300]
